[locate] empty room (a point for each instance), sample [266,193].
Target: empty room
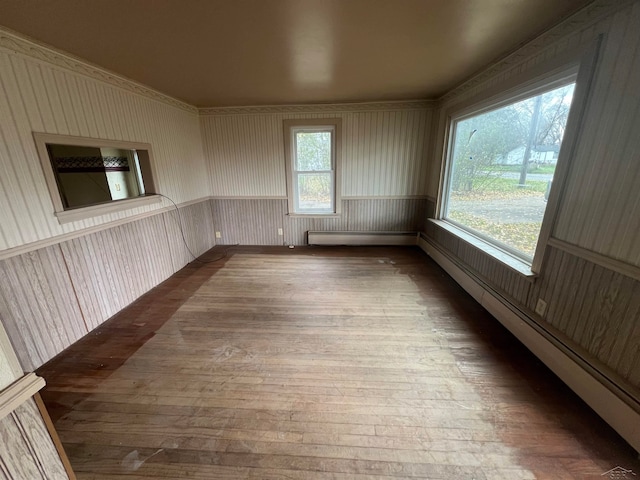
[319,239]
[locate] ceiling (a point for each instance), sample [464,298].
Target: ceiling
[269,52]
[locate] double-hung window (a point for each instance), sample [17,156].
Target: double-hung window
[312,151]
[501,161]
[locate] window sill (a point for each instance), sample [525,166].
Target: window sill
[514,263]
[83,213]
[315,215]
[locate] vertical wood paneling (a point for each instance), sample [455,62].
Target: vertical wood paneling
[249,222]
[601,205]
[51,297]
[26,449]
[383,152]
[494,273]
[597,309]
[256,222]
[10,369]
[196,222]
[116,266]
[36,96]
[38,306]
[379,215]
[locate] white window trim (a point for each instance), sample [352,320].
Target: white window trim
[81,213]
[579,64]
[311,124]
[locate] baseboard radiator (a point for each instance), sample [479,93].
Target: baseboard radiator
[615,411]
[361,238]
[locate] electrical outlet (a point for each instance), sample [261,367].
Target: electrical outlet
[541,307]
[280,232]
[218,235]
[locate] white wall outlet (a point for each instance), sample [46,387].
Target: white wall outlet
[280,232]
[218,235]
[541,307]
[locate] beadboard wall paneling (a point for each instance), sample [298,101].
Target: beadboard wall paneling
[596,308]
[26,449]
[249,222]
[55,295]
[256,222]
[197,225]
[430,212]
[593,308]
[493,273]
[380,215]
[38,96]
[10,369]
[383,151]
[600,208]
[118,265]
[38,305]
[296,228]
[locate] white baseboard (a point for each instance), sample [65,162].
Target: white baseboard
[616,412]
[361,238]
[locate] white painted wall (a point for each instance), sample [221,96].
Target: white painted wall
[43,96]
[383,150]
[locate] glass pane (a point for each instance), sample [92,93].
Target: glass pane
[314,192]
[503,166]
[313,151]
[92,175]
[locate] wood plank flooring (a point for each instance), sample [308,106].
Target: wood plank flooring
[317,363]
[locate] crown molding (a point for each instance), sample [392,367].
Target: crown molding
[19,44]
[582,19]
[320,108]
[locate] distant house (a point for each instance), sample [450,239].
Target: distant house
[540,154]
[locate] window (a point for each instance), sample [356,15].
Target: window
[312,166]
[88,177]
[501,163]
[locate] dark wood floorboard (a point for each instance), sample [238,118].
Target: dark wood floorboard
[318,363]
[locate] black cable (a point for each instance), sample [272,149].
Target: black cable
[184,240]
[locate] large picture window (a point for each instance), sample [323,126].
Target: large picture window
[501,164]
[312,164]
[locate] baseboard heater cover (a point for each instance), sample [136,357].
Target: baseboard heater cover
[617,413]
[361,238]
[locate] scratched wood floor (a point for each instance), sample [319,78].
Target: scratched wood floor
[343,363]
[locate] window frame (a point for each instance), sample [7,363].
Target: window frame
[144,172]
[573,66]
[293,126]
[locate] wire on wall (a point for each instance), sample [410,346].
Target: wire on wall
[184,239]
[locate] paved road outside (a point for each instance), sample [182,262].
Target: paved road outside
[536,177]
[513,210]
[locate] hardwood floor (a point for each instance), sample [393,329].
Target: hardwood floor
[334,363]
